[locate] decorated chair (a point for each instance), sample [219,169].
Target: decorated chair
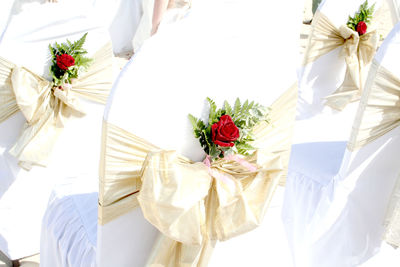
[44,133]
[332,182]
[362,208]
[146,131]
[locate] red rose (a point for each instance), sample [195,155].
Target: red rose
[361,28]
[224,132]
[65,61]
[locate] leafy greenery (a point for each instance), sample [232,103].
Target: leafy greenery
[75,50]
[245,116]
[364,14]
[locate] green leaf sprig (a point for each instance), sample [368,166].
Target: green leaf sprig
[75,50]
[244,115]
[364,14]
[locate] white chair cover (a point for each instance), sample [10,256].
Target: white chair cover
[24,194]
[320,133]
[170,77]
[343,216]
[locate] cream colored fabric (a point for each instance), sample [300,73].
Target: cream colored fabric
[379,113]
[379,110]
[358,51]
[8,104]
[182,199]
[47,109]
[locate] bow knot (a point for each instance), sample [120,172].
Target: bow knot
[358,52]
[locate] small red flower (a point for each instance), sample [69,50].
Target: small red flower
[224,132]
[65,61]
[361,28]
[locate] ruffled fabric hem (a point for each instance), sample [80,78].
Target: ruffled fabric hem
[65,241]
[302,196]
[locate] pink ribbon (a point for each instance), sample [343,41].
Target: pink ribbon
[223,178]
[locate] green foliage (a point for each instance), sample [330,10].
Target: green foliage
[74,49]
[364,14]
[245,116]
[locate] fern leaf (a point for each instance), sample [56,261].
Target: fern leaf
[228,108]
[237,106]
[193,121]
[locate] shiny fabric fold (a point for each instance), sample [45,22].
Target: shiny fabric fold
[358,52]
[46,108]
[189,206]
[8,104]
[379,110]
[378,114]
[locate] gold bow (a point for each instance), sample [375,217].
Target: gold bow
[193,206]
[199,209]
[47,108]
[358,52]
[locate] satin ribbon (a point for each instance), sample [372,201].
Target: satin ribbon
[378,114]
[358,52]
[379,110]
[46,108]
[221,176]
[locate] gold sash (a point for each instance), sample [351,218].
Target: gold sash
[379,110]
[358,52]
[378,114]
[47,109]
[182,199]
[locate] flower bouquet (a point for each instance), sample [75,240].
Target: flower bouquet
[228,131]
[68,61]
[361,19]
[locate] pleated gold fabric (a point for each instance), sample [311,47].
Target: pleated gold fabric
[378,114]
[47,109]
[8,104]
[358,52]
[379,110]
[185,200]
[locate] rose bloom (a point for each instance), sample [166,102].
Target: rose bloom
[224,132]
[361,28]
[65,61]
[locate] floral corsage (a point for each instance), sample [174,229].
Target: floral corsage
[228,131]
[68,61]
[361,19]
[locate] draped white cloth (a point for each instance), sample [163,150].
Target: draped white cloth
[24,194]
[221,49]
[128,21]
[336,198]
